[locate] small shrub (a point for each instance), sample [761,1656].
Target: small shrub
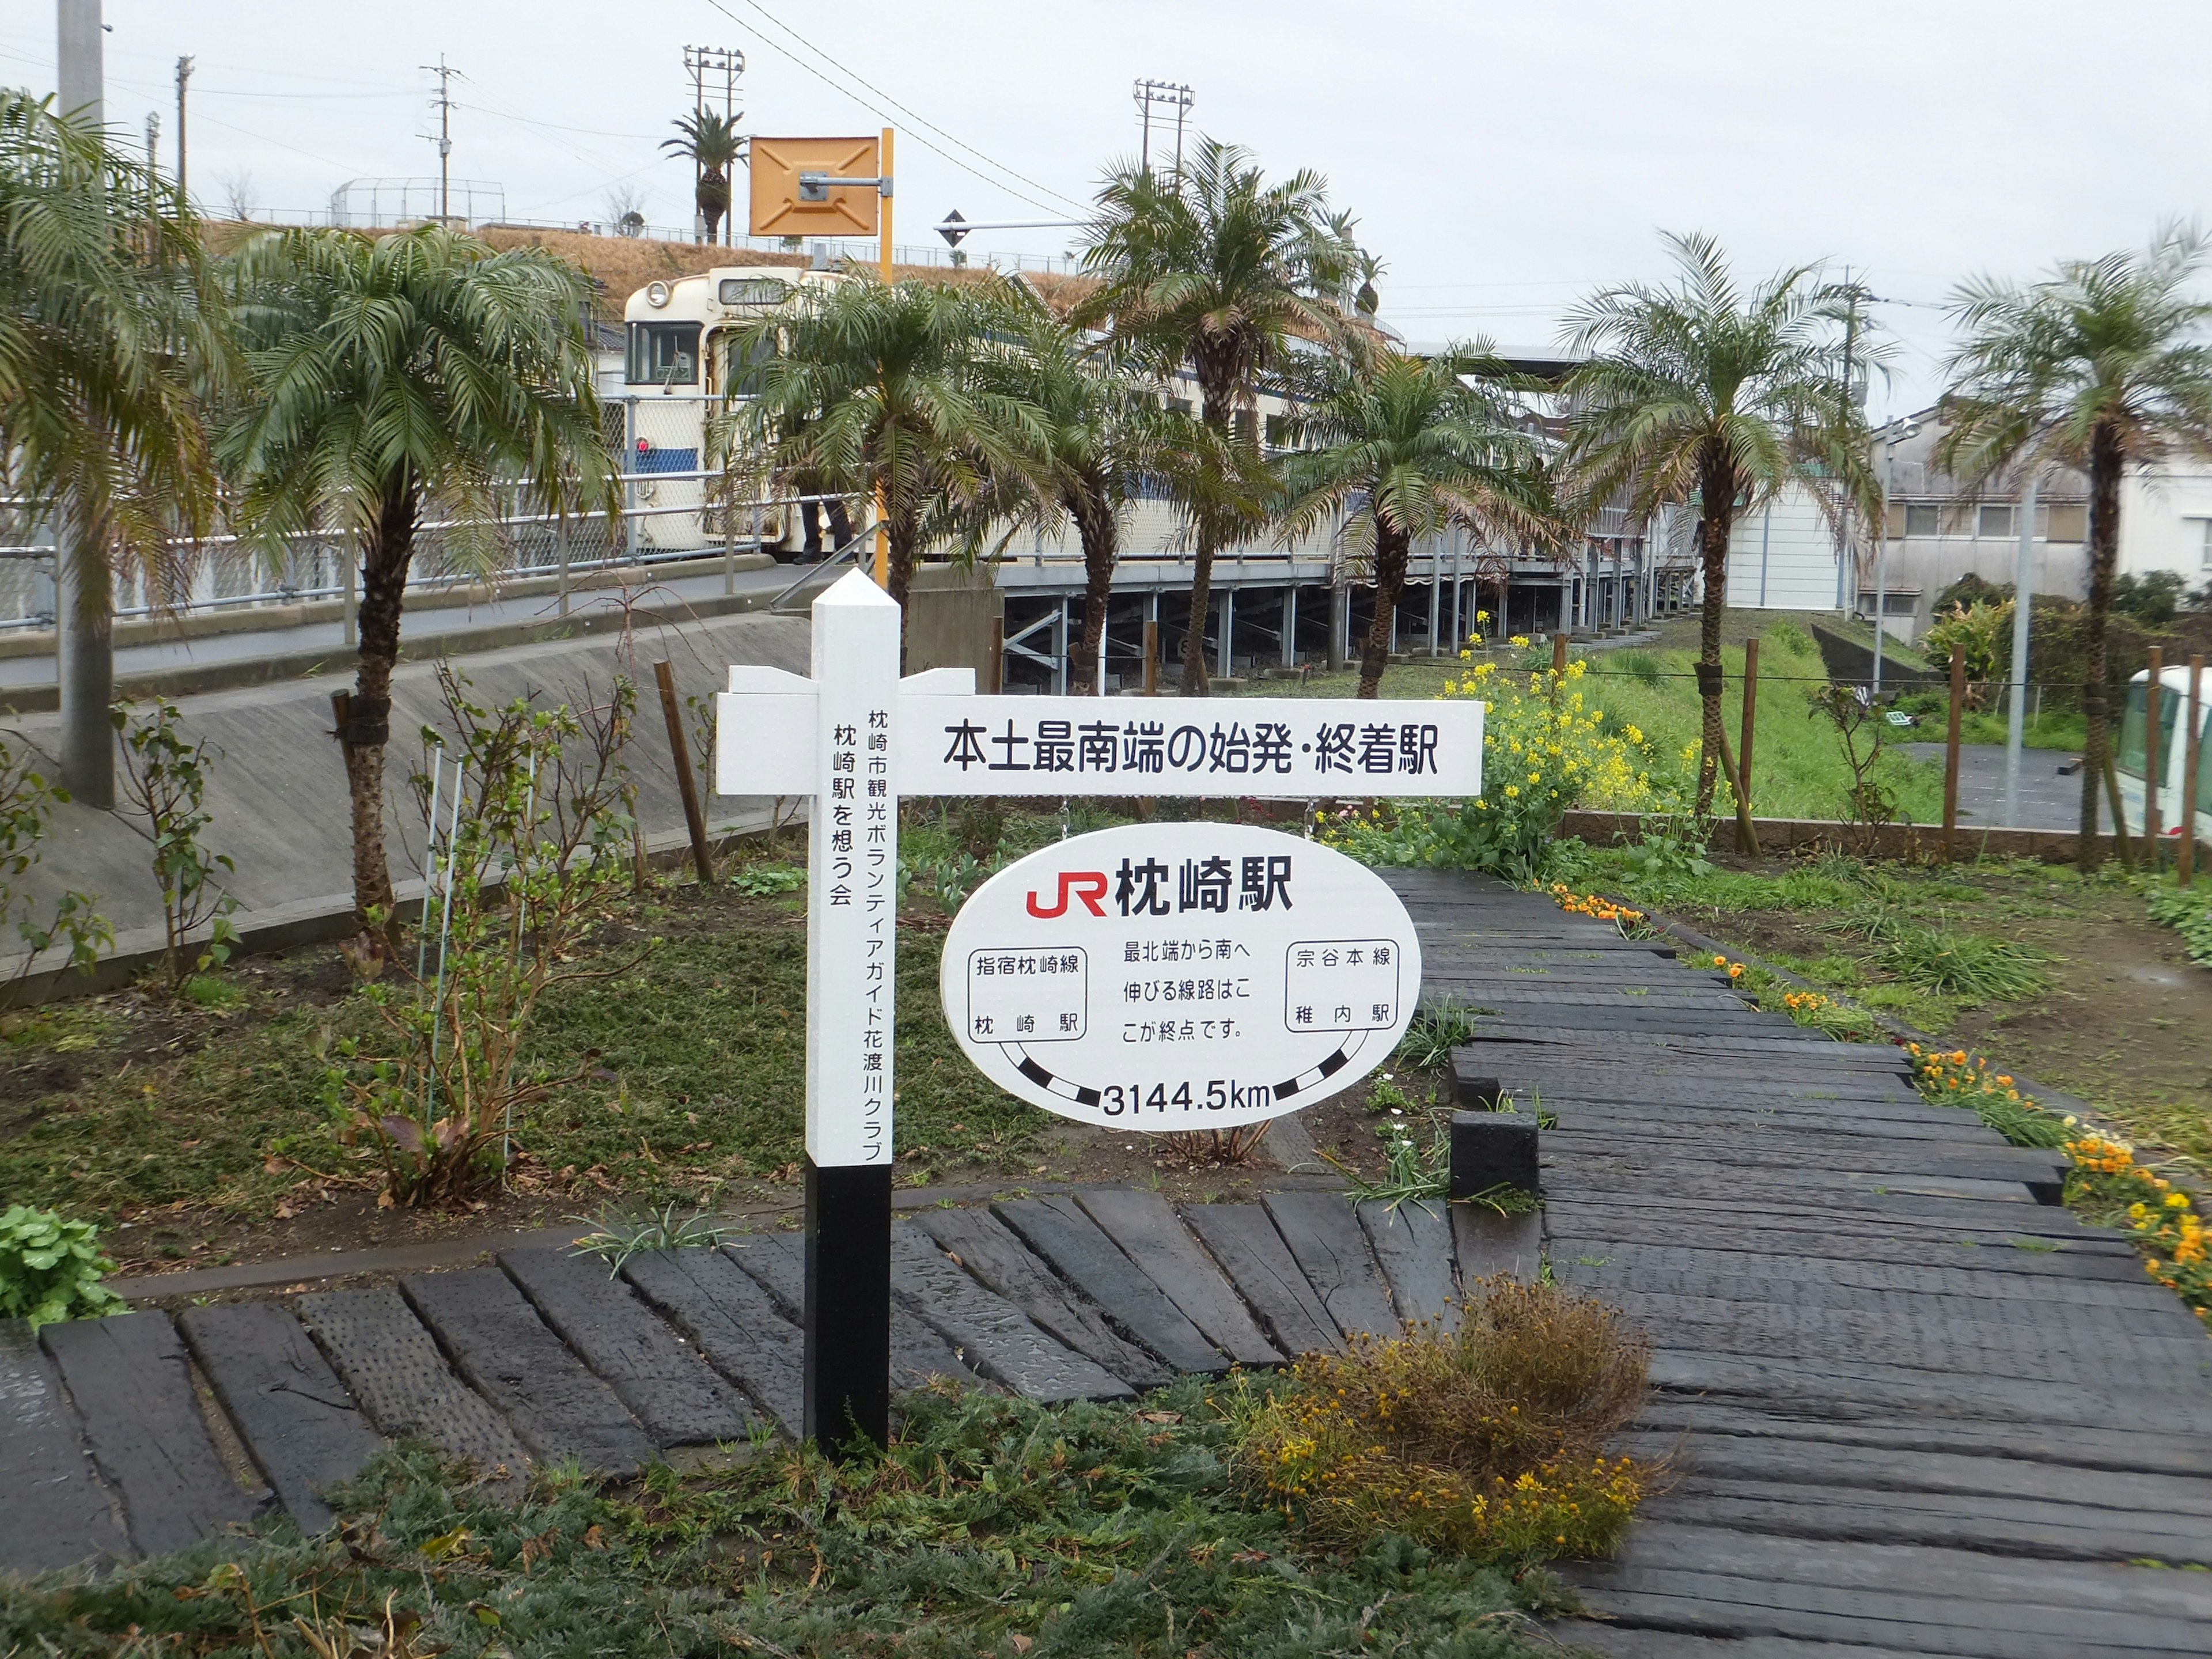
[26,811]
[541,851]
[2189,914]
[979,826]
[1486,1441]
[165,779]
[1963,965]
[51,1268]
[1544,749]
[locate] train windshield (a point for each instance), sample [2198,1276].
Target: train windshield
[2135,730]
[664,354]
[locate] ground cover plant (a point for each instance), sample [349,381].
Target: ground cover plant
[51,1268]
[1486,1441]
[195,1132]
[991,1525]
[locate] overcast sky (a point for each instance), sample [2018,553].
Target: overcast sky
[1502,159]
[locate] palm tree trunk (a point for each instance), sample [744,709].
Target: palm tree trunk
[1194,679]
[1213,410]
[2107,461]
[389,548]
[904,536]
[1391,548]
[1716,522]
[1094,522]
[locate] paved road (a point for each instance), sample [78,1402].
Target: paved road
[2047,801]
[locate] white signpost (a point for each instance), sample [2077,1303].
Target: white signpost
[855,737]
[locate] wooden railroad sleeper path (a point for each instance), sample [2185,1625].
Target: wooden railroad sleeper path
[130,1435]
[1911,1405]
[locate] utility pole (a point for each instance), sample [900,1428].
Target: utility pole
[184,74]
[1169,95]
[84,604]
[445,102]
[2023,603]
[153,141]
[1843,519]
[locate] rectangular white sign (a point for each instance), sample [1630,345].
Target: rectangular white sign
[1283,747]
[852,877]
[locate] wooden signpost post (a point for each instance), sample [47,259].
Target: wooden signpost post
[855,737]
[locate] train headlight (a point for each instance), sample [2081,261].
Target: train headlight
[656,294]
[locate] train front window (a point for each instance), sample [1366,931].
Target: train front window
[664,354]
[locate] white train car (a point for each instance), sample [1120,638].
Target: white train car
[2135,748]
[676,370]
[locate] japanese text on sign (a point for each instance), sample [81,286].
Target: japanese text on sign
[1230,749]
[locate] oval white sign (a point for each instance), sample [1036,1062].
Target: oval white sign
[1177,976]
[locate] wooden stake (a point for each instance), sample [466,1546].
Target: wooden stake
[1747,837]
[1558,653]
[2120,836]
[1951,748]
[1750,716]
[2154,756]
[702,855]
[2191,756]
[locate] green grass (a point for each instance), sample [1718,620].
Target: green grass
[1892,938]
[697,1080]
[1797,765]
[2053,731]
[993,1526]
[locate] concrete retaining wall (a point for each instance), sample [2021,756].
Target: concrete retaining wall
[278,788]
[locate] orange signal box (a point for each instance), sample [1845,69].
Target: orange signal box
[781,206]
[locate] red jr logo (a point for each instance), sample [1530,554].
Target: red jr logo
[1089,885]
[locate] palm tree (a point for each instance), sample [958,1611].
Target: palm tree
[1102,439]
[1215,268]
[889,391]
[2105,365]
[1700,392]
[417,371]
[1409,446]
[111,328]
[713,141]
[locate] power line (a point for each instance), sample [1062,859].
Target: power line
[905,110]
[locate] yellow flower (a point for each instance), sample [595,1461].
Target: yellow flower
[1482,615]
[1519,641]
[1512,791]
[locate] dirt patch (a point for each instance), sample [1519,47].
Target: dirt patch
[2126,1020]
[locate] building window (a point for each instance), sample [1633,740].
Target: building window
[2066,522]
[1920,520]
[1995,520]
[2200,535]
[1176,405]
[1279,431]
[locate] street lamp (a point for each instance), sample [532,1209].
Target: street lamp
[1892,434]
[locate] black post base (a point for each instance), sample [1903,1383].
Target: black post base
[848,1305]
[1491,1150]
